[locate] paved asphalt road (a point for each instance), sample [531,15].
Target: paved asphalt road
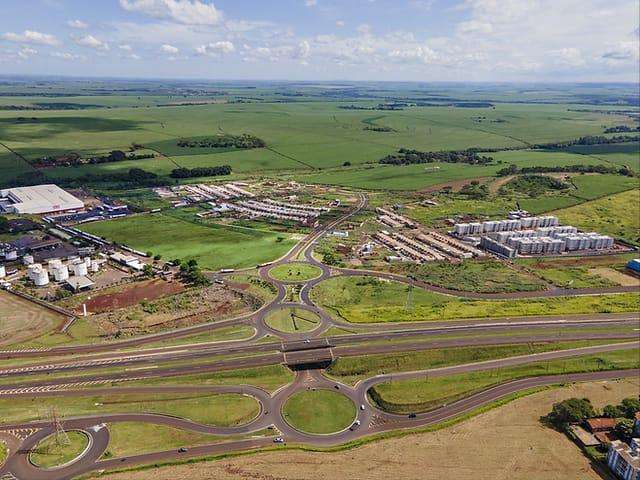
[66,371]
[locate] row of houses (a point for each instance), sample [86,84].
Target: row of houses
[490,226]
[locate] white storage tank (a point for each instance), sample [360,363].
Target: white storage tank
[61,273]
[3,271]
[79,269]
[27,259]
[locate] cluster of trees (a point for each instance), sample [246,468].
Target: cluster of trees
[514,169]
[201,171]
[379,128]
[474,190]
[407,156]
[575,410]
[223,141]
[380,106]
[191,273]
[535,185]
[74,159]
[622,129]
[589,140]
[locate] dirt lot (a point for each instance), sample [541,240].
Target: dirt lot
[507,443]
[131,295]
[173,310]
[22,320]
[616,276]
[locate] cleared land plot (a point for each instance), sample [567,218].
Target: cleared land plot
[617,215]
[212,246]
[361,300]
[508,435]
[133,294]
[319,411]
[22,320]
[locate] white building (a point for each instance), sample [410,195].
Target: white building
[39,199]
[624,460]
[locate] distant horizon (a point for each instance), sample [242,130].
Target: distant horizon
[4,76]
[559,41]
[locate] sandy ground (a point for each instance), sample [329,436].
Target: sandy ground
[616,276]
[22,320]
[507,443]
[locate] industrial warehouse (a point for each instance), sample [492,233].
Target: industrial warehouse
[38,199]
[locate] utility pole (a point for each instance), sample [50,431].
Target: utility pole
[61,435]
[409,303]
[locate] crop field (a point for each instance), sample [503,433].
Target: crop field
[22,320]
[368,301]
[212,246]
[299,135]
[617,215]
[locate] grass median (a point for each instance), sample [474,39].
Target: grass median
[319,411]
[56,450]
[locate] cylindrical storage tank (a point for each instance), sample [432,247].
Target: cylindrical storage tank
[61,273]
[79,269]
[3,271]
[40,277]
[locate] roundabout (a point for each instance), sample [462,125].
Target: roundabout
[294,272]
[59,450]
[319,411]
[292,320]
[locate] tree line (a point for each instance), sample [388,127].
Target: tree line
[201,171]
[604,169]
[407,157]
[244,141]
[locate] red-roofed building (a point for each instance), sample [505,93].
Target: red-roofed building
[600,424]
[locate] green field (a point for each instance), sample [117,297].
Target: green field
[213,409]
[295,272]
[363,300]
[474,276]
[352,369]
[292,320]
[319,411]
[212,246]
[300,135]
[423,394]
[617,215]
[54,451]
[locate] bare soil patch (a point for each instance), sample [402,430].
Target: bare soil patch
[507,443]
[616,276]
[455,185]
[132,294]
[22,320]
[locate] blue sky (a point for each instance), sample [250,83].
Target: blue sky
[414,40]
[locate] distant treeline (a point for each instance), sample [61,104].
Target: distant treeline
[514,170]
[201,172]
[223,141]
[407,157]
[380,106]
[75,159]
[379,128]
[52,106]
[622,129]
[589,140]
[132,177]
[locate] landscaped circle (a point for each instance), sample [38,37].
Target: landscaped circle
[295,272]
[319,411]
[292,320]
[56,450]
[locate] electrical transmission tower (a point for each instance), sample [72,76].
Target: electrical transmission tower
[409,303]
[61,435]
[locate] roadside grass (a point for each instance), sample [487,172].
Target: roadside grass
[295,272]
[224,334]
[212,246]
[292,320]
[83,330]
[352,369]
[319,411]
[269,378]
[474,276]
[4,452]
[52,452]
[366,300]
[420,395]
[617,215]
[214,409]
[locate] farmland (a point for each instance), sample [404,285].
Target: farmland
[22,320]
[212,246]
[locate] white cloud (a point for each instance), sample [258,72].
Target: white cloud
[364,29]
[31,36]
[188,12]
[27,52]
[216,48]
[67,56]
[339,23]
[77,24]
[166,48]
[125,47]
[570,56]
[310,3]
[91,42]
[474,26]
